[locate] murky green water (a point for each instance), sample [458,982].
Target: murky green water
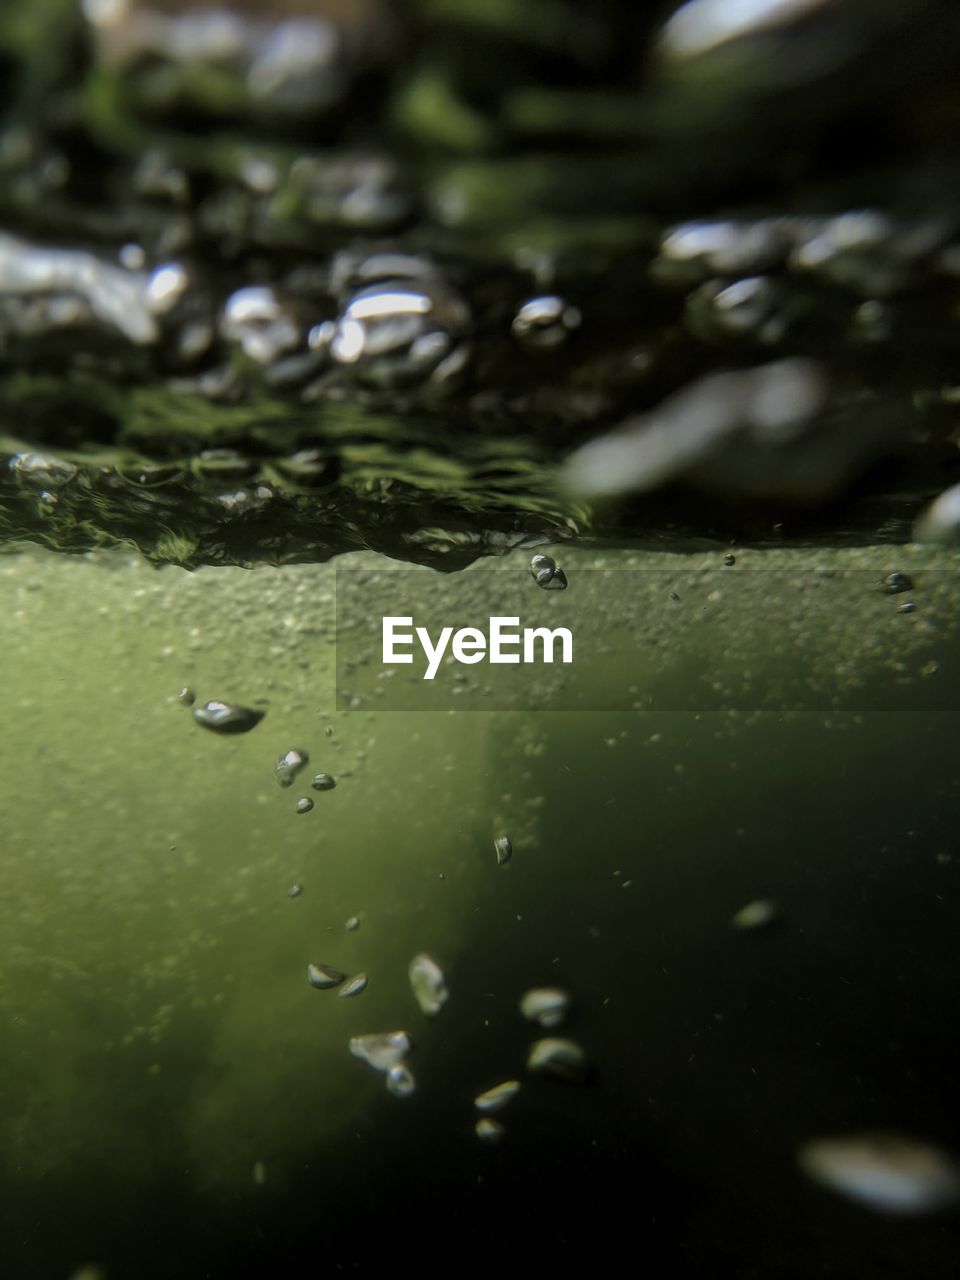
[175,1099]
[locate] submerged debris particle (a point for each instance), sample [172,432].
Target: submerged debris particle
[323,782]
[489,1130]
[546,1005]
[886,1172]
[324,976]
[428,983]
[562,1059]
[295,890]
[381,1050]
[354,986]
[497,1097]
[400,1081]
[759,914]
[896,582]
[227,717]
[503,849]
[304,804]
[547,574]
[289,765]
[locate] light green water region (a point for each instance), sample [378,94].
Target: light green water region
[157,1025]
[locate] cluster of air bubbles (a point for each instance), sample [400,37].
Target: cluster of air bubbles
[557,1058]
[898,583]
[232,718]
[324,976]
[387,1051]
[491,1100]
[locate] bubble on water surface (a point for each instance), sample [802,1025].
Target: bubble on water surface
[546,321]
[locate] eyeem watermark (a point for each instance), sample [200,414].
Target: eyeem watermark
[499,644]
[682,638]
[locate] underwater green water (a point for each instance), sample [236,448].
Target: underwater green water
[176,1100]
